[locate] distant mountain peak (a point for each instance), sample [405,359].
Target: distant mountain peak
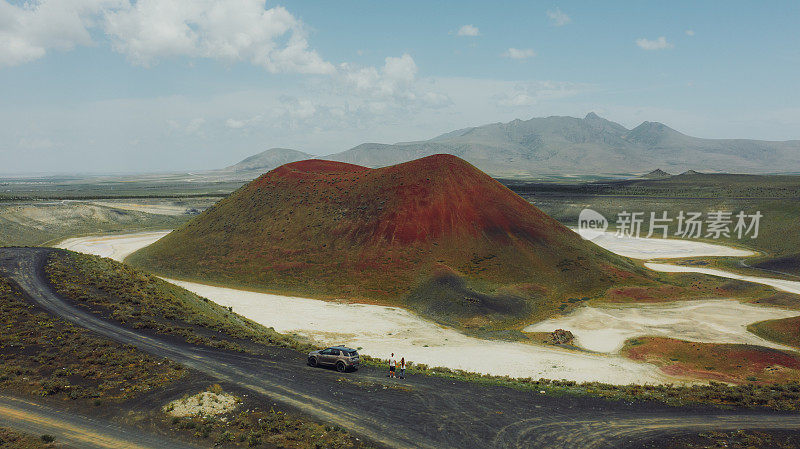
[690,173]
[269,159]
[592,116]
[656,174]
[653,134]
[654,126]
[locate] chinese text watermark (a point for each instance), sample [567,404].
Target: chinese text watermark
[693,225]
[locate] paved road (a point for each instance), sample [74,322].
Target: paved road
[422,411]
[75,430]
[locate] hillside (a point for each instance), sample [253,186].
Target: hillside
[557,146]
[435,234]
[260,163]
[36,223]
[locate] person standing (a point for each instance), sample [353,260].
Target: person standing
[392,365]
[402,367]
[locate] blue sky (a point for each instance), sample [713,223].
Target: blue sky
[115,86]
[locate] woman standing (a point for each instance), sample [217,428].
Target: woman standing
[402,367]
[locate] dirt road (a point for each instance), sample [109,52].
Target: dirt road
[76,431]
[421,411]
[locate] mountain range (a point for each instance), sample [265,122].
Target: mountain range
[566,146]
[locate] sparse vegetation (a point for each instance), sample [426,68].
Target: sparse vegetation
[10,439]
[261,427]
[784,396]
[740,439]
[736,363]
[45,356]
[41,355]
[143,301]
[785,331]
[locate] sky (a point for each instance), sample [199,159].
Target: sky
[122,86]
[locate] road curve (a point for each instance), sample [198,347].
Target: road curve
[422,411]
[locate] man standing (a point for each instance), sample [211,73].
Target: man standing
[392,365]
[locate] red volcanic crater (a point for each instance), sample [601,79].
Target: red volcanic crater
[418,201]
[327,228]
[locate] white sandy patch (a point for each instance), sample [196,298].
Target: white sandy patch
[605,329]
[380,330]
[780,284]
[205,404]
[658,248]
[116,247]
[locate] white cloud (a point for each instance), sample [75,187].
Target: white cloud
[519,53]
[148,30]
[192,126]
[531,93]
[302,108]
[394,82]
[355,97]
[28,30]
[468,30]
[658,44]
[690,32]
[231,30]
[558,18]
[235,124]
[195,125]
[36,143]
[243,123]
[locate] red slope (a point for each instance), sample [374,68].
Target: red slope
[432,197]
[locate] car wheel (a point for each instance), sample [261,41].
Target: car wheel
[312,361]
[341,367]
